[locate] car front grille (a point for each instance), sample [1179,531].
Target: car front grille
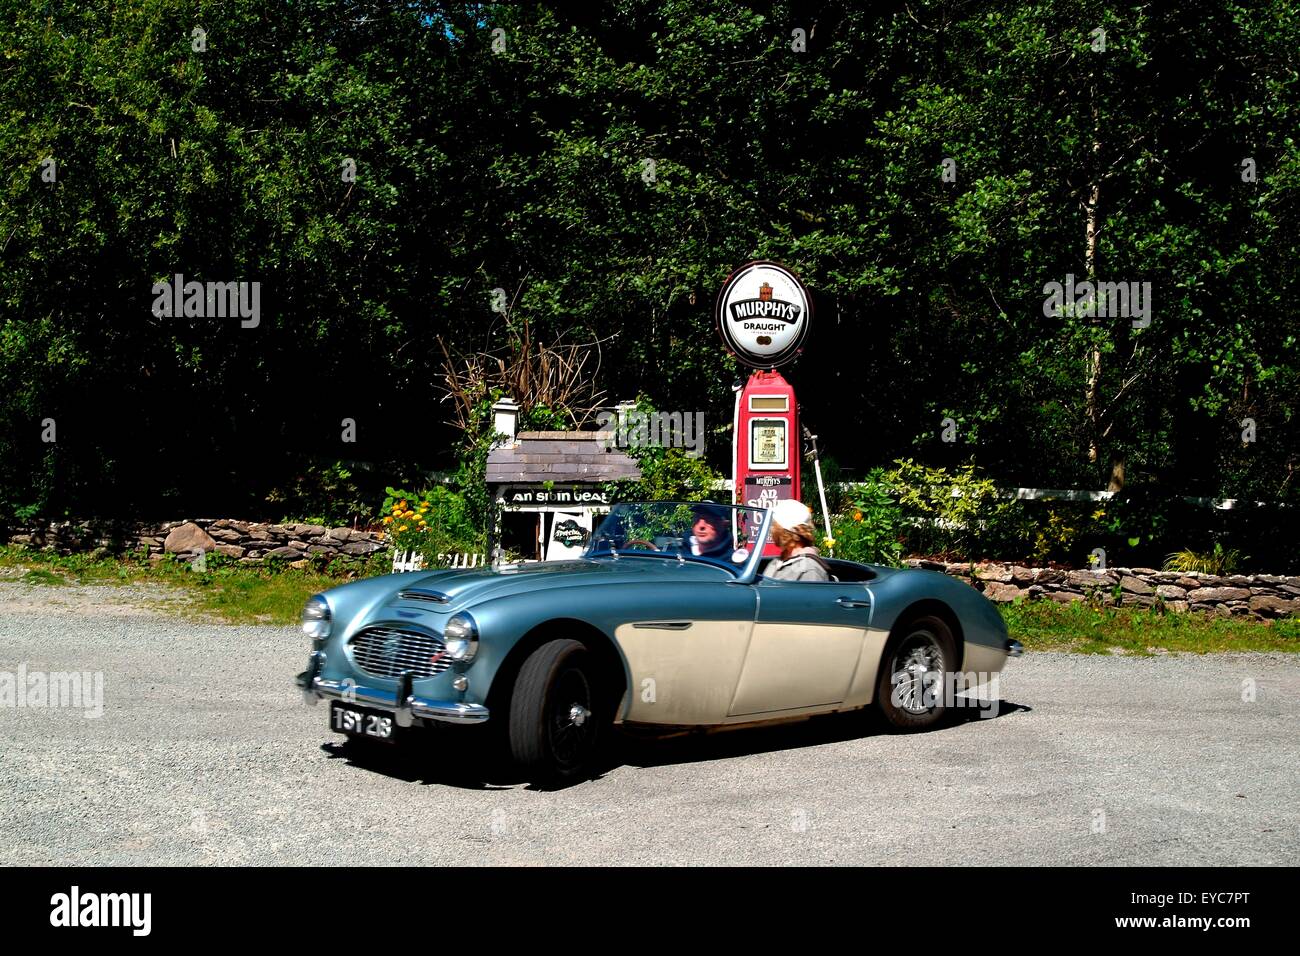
[389,651]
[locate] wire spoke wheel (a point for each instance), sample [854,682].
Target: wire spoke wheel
[911,688]
[917,672]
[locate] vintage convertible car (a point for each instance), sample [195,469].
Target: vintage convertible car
[667,620]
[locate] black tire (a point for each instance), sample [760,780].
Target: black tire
[551,741]
[916,701]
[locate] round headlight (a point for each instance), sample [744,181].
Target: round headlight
[461,637]
[316,618]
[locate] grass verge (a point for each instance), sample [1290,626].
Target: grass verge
[232,592]
[1088,629]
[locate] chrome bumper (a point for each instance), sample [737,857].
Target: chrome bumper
[404,706]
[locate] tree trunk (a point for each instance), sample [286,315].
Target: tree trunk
[1116,482]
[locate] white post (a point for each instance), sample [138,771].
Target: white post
[821,488]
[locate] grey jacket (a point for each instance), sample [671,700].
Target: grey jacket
[800,566]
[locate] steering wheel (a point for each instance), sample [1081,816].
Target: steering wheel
[640,543]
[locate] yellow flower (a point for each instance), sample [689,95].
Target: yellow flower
[401,527]
[396,510]
[857,516]
[829,542]
[402,505]
[388,519]
[409,514]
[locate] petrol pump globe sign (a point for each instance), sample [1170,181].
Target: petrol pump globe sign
[763,313]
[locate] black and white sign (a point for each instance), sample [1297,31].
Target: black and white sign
[570,532]
[763,313]
[525,495]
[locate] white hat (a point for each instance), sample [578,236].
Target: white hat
[790,513]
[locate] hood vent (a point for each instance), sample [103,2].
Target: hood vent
[423,594]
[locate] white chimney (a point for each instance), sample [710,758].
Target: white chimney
[505,421]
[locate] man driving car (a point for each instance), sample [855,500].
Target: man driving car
[711,532]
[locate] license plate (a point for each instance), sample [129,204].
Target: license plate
[359,722]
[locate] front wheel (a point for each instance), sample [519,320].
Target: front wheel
[556,718]
[913,683]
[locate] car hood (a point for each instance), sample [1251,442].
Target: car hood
[462,589]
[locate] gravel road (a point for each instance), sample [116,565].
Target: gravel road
[205,754]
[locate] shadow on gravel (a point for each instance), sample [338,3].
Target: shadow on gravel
[472,758]
[694,747]
[455,757]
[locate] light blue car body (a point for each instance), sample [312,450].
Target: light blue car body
[642,614]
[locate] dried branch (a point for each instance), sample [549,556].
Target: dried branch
[533,373]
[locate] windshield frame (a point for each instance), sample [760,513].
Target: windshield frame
[745,573]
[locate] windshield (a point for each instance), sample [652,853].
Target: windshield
[693,531]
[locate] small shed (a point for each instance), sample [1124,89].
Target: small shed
[549,487]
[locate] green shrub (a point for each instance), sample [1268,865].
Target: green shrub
[1142,522]
[870,529]
[1063,530]
[1219,561]
[438,521]
[669,474]
[322,493]
[953,512]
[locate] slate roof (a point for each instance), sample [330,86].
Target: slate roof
[559,456]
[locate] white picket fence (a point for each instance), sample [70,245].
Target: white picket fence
[413,561]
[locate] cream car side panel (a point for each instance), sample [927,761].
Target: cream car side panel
[796,666]
[683,677]
[863,690]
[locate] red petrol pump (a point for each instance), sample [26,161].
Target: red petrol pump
[766,445]
[763,312]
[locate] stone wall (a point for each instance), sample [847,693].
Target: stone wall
[249,542]
[1259,596]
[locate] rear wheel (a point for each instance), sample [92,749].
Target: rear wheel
[557,717]
[913,681]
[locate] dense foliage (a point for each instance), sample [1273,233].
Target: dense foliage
[927,168]
[667,473]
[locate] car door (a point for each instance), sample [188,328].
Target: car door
[684,649]
[805,647]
